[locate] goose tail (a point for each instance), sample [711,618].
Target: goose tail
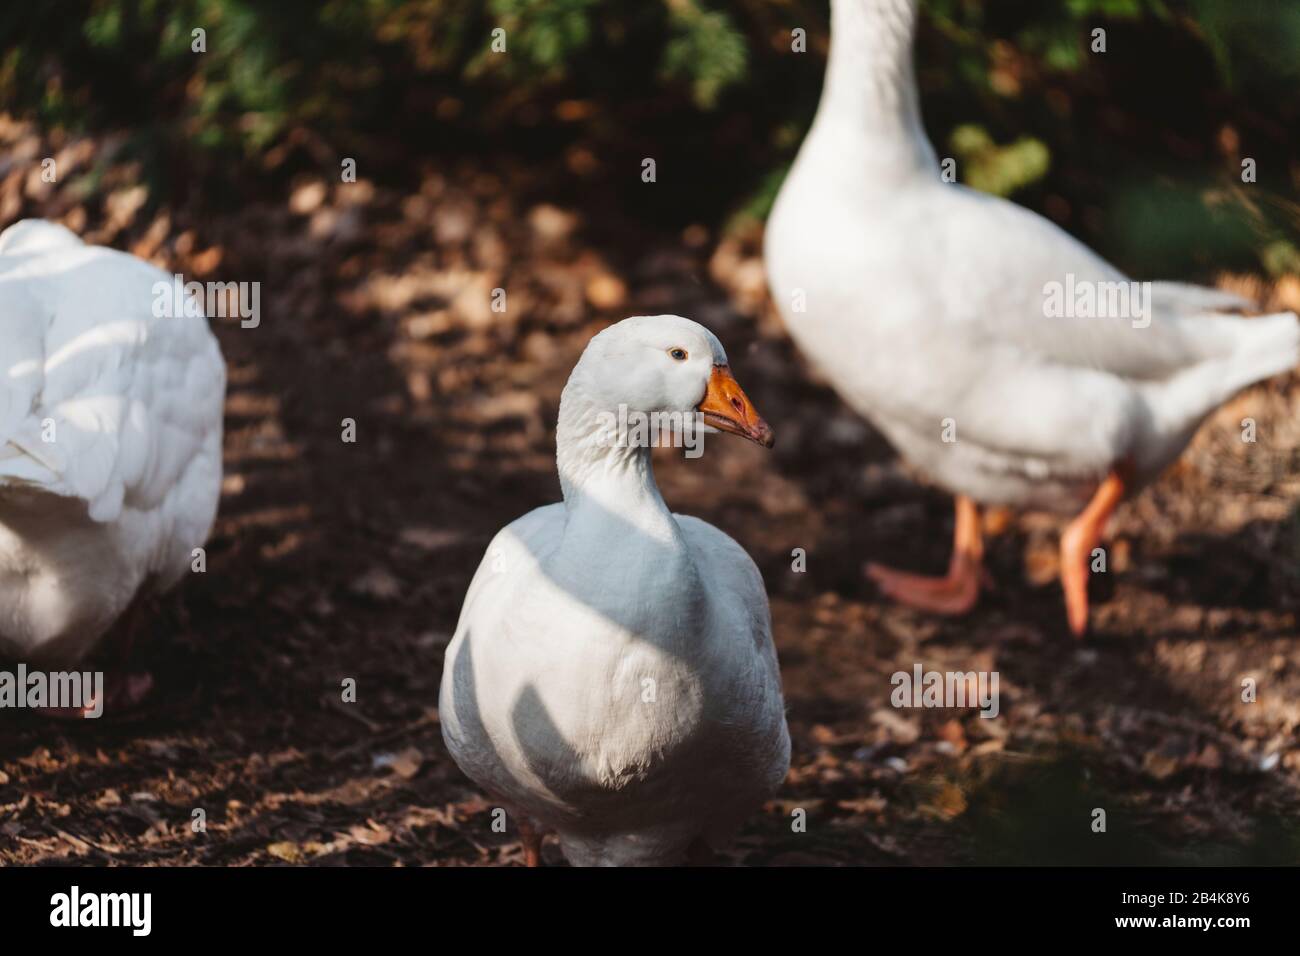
[1269,345]
[1257,349]
[1184,298]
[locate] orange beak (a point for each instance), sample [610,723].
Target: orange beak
[727,408]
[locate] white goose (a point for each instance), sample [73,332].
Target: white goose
[110,445]
[925,303]
[612,676]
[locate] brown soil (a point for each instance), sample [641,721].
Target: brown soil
[335,560]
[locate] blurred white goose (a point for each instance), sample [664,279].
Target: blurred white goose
[927,306]
[613,677]
[110,444]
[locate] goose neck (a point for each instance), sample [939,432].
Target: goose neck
[870,80]
[609,485]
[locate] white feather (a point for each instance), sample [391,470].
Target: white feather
[613,675]
[923,302]
[110,424]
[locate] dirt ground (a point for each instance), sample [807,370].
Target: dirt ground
[335,560]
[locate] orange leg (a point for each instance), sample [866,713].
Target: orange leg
[531,837]
[956,592]
[124,691]
[1078,542]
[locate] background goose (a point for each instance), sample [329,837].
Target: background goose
[110,444]
[926,305]
[612,676]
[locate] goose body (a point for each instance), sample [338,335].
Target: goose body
[612,676]
[925,302]
[926,305]
[110,440]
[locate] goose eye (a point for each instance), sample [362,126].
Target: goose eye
[678,354]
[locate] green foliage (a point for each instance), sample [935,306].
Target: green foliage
[544,35]
[760,203]
[1000,170]
[1280,258]
[1255,42]
[706,50]
[1007,84]
[1065,41]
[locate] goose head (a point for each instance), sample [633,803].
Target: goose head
[651,365]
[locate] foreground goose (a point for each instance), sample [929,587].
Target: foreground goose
[612,677]
[110,446]
[941,315]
